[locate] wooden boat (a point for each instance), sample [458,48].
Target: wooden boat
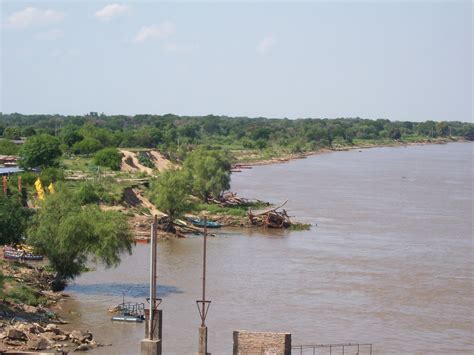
[200,223]
[18,254]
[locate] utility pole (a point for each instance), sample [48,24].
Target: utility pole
[203,304]
[152,344]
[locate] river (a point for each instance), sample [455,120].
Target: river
[390,261]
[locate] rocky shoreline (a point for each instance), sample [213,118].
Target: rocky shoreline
[27,327]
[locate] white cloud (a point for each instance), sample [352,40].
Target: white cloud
[178,48]
[32,16]
[162,30]
[110,11]
[50,35]
[266,44]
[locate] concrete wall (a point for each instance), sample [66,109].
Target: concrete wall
[258,343]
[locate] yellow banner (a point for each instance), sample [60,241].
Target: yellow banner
[39,189]
[51,188]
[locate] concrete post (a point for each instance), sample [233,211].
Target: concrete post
[150,347]
[202,349]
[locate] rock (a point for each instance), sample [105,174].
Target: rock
[38,328]
[80,336]
[59,337]
[30,309]
[53,328]
[38,344]
[93,344]
[16,334]
[82,347]
[14,342]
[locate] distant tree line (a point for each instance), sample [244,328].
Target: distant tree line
[175,134]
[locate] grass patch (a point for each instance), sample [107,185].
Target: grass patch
[13,291]
[23,294]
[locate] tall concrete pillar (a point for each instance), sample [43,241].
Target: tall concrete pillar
[202,349]
[157,334]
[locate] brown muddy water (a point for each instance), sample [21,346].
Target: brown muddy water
[390,261]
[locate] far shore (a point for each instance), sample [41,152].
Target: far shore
[289,157]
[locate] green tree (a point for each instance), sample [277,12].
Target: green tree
[69,235]
[442,129]
[13,219]
[12,132]
[70,135]
[7,147]
[87,146]
[109,157]
[40,151]
[170,194]
[208,172]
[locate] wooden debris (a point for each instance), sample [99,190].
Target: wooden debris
[271,218]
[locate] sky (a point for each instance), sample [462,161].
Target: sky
[397,60]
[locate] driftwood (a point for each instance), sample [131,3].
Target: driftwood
[271,218]
[229,199]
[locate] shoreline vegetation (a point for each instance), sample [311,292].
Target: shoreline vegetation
[91,186]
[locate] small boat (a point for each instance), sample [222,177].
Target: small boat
[129,312]
[19,254]
[200,223]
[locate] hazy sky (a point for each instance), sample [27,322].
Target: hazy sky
[397,60]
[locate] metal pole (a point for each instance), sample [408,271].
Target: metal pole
[370,349]
[152,280]
[203,319]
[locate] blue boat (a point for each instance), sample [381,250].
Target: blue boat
[201,223]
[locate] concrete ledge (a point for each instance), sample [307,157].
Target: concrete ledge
[261,343]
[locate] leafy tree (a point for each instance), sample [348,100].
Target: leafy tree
[28,132]
[7,147]
[40,151]
[170,194]
[442,129]
[13,219]
[12,132]
[87,146]
[109,157]
[208,172]
[69,235]
[70,136]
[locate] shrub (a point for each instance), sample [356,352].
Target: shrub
[87,146]
[8,147]
[109,157]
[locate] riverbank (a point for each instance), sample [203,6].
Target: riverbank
[249,159]
[28,318]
